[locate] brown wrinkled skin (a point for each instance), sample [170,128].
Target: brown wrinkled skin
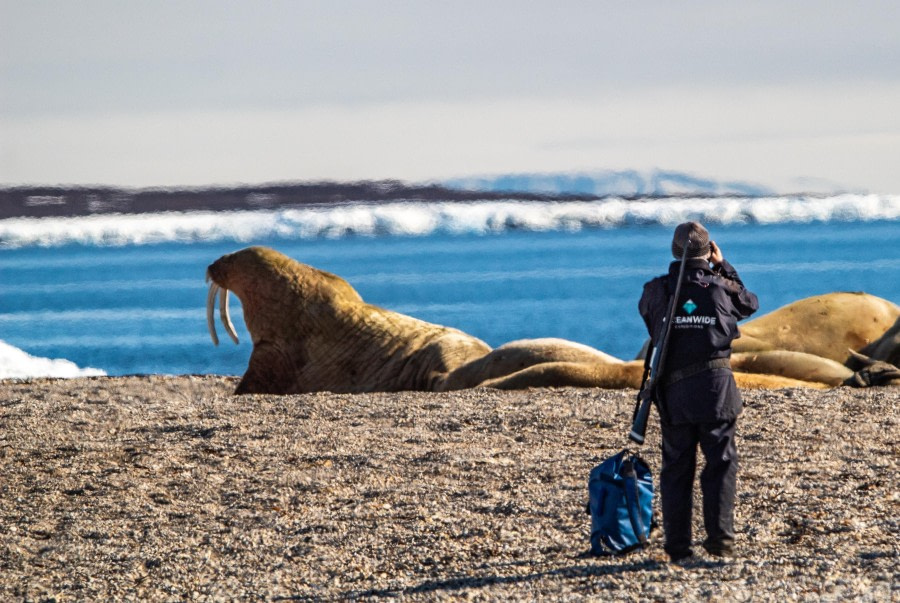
[312,332]
[825,325]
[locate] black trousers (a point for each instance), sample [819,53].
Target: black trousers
[718,482]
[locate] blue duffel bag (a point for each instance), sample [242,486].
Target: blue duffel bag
[620,502]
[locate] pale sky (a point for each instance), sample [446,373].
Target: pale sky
[794,95]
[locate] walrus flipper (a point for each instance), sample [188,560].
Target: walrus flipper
[619,375]
[874,372]
[266,372]
[793,365]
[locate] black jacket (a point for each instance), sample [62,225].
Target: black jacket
[704,325]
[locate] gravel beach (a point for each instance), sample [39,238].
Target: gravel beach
[170,488]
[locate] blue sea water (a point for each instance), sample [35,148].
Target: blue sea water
[137,307]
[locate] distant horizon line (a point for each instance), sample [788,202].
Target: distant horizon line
[441,183]
[401,184]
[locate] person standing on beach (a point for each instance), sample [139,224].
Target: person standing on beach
[698,398]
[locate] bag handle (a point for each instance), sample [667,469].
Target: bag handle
[632,498]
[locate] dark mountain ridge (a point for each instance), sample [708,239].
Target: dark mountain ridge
[59,201]
[64,201]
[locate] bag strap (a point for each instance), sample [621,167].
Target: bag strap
[633,502]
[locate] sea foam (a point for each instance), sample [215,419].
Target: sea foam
[424,218]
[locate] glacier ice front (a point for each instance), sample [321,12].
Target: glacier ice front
[18,364]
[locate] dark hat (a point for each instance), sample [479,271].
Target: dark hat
[696,237]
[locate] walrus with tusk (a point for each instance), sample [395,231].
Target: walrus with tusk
[311,331]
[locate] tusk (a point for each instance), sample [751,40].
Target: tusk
[226,319]
[210,311]
[861,357]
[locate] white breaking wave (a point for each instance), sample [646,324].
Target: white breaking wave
[18,364]
[419,219]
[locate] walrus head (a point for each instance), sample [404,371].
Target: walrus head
[263,277]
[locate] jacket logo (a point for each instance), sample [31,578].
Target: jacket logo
[693,321]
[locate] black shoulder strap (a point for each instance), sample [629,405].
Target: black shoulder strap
[669,302]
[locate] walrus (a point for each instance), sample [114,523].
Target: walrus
[834,338]
[828,325]
[312,331]
[810,342]
[626,375]
[516,356]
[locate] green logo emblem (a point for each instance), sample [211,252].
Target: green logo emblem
[689,306]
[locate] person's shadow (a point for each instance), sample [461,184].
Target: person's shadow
[584,569]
